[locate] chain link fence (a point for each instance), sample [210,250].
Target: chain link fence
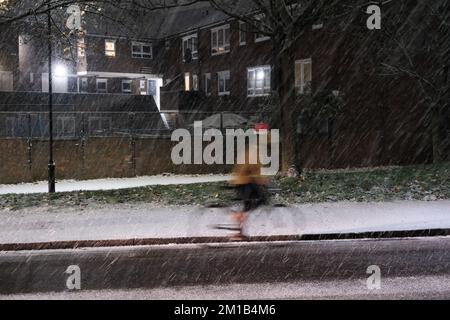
[82,124]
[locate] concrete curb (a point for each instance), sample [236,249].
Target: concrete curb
[62,245]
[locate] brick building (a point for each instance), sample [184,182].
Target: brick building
[8,61]
[197,59]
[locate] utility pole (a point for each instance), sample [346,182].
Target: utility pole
[51,162]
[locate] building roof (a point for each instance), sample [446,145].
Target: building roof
[158,24]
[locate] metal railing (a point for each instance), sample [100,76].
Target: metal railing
[83,124]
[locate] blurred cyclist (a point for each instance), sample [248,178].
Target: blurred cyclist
[250,186]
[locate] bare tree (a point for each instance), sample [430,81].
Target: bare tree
[418,46]
[17,10]
[284,22]
[29,18]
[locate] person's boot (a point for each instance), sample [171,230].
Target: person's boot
[240,219]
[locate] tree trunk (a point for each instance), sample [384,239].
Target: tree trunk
[331,142]
[284,84]
[381,147]
[436,134]
[437,121]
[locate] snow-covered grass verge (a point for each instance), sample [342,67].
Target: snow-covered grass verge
[110,184]
[423,182]
[427,183]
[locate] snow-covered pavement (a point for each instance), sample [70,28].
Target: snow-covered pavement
[141,221]
[109,184]
[422,287]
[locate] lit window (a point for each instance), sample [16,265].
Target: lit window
[187,81]
[143,87]
[142,50]
[224,83]
[110,48]
[242,33]
[102,85]
[220,40]
[258,81]
[190,48]
[195,82]
[303,76]
[81,48]
[126,86]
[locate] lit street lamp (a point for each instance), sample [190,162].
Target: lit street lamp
[51,162]
[60,71]
[73,23]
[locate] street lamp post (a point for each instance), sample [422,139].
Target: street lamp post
[51,162]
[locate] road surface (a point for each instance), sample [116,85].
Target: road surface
[429,287]
[410,268]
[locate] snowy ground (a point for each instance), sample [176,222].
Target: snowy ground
[130,221]
[109,184]
[423,287]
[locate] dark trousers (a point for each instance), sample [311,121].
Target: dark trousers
[252,194]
